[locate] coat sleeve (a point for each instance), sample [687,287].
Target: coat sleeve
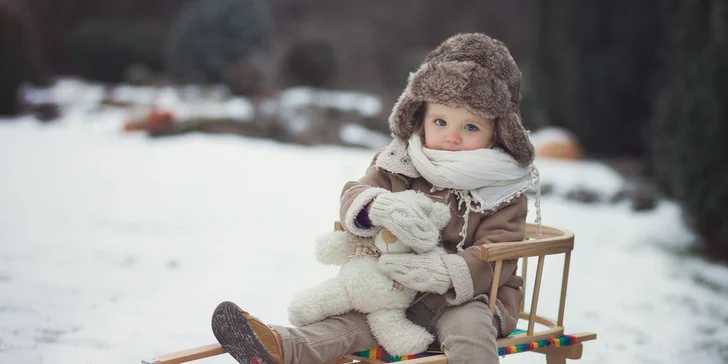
[357,194]
[470,275]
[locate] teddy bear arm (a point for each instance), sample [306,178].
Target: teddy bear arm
[334,248]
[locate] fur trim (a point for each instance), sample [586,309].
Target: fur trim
[403,119]
[462,281]
[489,53]
[356,206]
[456,84]
[463,85]
[514,139]
[395,159]
[471,71]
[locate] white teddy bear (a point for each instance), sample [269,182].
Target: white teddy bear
[360,286]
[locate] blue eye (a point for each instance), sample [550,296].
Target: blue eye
[440,122]
[471,127]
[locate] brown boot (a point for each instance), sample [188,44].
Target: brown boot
[244,337]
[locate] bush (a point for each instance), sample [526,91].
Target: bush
[309,63]
[249,77]
[592,71]
[691,121]
[103,49]
[532,113]
[18,61]
[212,35]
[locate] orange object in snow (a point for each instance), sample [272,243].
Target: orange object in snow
[556,143]
[155,120]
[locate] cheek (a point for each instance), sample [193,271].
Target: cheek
[483,140]
[489,138]
[429,136]
[489,141]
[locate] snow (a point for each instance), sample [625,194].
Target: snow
[116,247]
[357,135]
[194,101]
[364,104]
[565,176]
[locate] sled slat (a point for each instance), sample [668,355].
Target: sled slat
[187,355]
[564,283]
[435,359]
[514,250]
[534,298]
[568,352]
[524,275]
[494,285]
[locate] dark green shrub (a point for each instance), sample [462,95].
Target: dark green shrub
[212,35]
[18,61]
[592,70]
[250,77]
[103,49]
[690,146]
[309,63]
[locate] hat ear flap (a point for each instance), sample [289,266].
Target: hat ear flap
[513,137]
[403,119]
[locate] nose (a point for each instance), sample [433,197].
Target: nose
[453,137]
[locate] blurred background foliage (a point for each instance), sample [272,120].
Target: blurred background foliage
[643,81]
[210,36]
[104,49]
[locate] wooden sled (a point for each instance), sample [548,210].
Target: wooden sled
[550,341]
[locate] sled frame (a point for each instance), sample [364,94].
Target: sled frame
[552,241]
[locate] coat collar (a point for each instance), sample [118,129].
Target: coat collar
[395,159]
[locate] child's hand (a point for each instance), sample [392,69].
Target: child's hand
[424,272]
[412,217]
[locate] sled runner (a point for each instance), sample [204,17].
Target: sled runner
[551,341]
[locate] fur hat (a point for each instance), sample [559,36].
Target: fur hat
[471,71]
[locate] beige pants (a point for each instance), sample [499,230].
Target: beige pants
[466,334]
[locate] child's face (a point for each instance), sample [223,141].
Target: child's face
[453,129]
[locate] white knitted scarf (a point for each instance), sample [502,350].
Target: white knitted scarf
[484,179]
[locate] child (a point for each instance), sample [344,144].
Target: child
[459,141]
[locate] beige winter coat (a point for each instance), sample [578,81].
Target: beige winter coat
[392,171]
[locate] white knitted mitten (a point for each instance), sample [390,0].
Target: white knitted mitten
[421,272]
[412,217]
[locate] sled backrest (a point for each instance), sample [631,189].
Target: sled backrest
[552,241]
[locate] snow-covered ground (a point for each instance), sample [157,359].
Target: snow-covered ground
[115,247]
